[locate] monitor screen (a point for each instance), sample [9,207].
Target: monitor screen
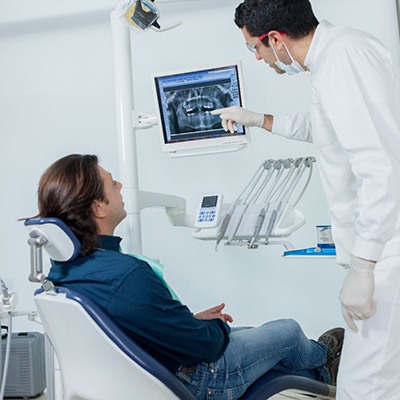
[185,100]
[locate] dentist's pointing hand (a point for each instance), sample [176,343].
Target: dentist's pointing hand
[231,116]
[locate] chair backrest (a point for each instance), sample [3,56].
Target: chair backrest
[98,360]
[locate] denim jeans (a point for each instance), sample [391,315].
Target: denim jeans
[279,345]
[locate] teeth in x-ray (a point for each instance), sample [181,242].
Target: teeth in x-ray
[198,105]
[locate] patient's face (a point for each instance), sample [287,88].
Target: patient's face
[114,206]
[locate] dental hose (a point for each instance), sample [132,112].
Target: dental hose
[6,302]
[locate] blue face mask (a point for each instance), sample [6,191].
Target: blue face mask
[291,69]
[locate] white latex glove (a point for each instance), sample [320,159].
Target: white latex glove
[232,115]
[357,291]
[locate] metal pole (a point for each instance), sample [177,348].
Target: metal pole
[127,151]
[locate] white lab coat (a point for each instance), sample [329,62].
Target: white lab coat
[355,126]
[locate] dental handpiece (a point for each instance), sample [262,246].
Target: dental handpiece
[238,222]
[270,226]
[257,227]
[265,166]
[222,230]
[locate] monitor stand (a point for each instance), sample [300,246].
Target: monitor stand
[206,150]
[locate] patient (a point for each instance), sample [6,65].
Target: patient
[209,357]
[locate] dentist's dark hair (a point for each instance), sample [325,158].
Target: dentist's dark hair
[67,190]
[295,18]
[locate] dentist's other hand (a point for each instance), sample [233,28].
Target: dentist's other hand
[231,116]
[356,296]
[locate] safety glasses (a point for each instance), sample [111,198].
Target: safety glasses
[253,47]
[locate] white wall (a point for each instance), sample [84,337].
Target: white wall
[56,97]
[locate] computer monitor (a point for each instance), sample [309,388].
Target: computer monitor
[185,100]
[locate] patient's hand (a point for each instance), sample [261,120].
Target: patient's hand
[214,312]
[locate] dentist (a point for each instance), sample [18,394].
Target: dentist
[354,125]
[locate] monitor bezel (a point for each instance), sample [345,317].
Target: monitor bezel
[228,142]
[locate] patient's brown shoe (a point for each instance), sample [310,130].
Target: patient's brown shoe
[333,340]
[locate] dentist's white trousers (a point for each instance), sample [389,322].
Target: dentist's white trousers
[370,362]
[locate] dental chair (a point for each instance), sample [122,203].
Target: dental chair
[97,359]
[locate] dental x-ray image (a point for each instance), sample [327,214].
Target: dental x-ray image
[189,110]
[185,100]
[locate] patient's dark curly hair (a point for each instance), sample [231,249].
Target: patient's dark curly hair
[295,18]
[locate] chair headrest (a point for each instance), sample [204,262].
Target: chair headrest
[58,240]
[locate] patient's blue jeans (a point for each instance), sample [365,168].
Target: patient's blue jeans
[279,345]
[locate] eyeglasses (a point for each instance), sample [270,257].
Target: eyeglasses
[253,47]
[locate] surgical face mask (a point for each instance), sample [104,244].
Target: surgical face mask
[291,69]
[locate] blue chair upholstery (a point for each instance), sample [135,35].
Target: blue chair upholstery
[274,382]
[266,386]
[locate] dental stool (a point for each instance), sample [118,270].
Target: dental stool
[97,359]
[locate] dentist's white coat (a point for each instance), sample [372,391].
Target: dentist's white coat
[355,127]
